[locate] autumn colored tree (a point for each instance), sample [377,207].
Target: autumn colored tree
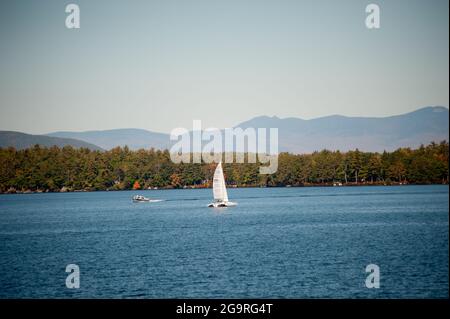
[175,180]
[136,185]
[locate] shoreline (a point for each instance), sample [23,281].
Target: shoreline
[229,187]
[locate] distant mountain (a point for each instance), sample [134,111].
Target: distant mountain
[370,134]
[296,135]
[21,141]
[108,139]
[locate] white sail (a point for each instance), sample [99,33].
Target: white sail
[219,188]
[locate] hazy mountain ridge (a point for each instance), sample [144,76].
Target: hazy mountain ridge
[338,132]
[20,141]
[132,137]
[334,132]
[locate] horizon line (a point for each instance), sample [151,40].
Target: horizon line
[252,118]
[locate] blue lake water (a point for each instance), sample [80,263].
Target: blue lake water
[277,243]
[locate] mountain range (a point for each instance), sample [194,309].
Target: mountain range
[335,132]
[134,138]
[370,134]
[20,141]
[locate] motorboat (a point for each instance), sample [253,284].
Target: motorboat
[140,198]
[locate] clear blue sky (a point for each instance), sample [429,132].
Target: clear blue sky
[159,64]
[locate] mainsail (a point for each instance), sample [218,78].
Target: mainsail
[219,189]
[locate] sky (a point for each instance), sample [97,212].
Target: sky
[158,65]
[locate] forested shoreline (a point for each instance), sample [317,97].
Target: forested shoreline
[54,169]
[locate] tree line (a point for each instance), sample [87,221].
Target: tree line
[70,169]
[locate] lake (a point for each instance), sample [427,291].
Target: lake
[277,243]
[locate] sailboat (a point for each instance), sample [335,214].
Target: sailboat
[220,190]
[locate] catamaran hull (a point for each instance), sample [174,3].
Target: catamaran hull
[222,204]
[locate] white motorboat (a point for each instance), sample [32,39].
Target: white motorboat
[220,189]
[140,198]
